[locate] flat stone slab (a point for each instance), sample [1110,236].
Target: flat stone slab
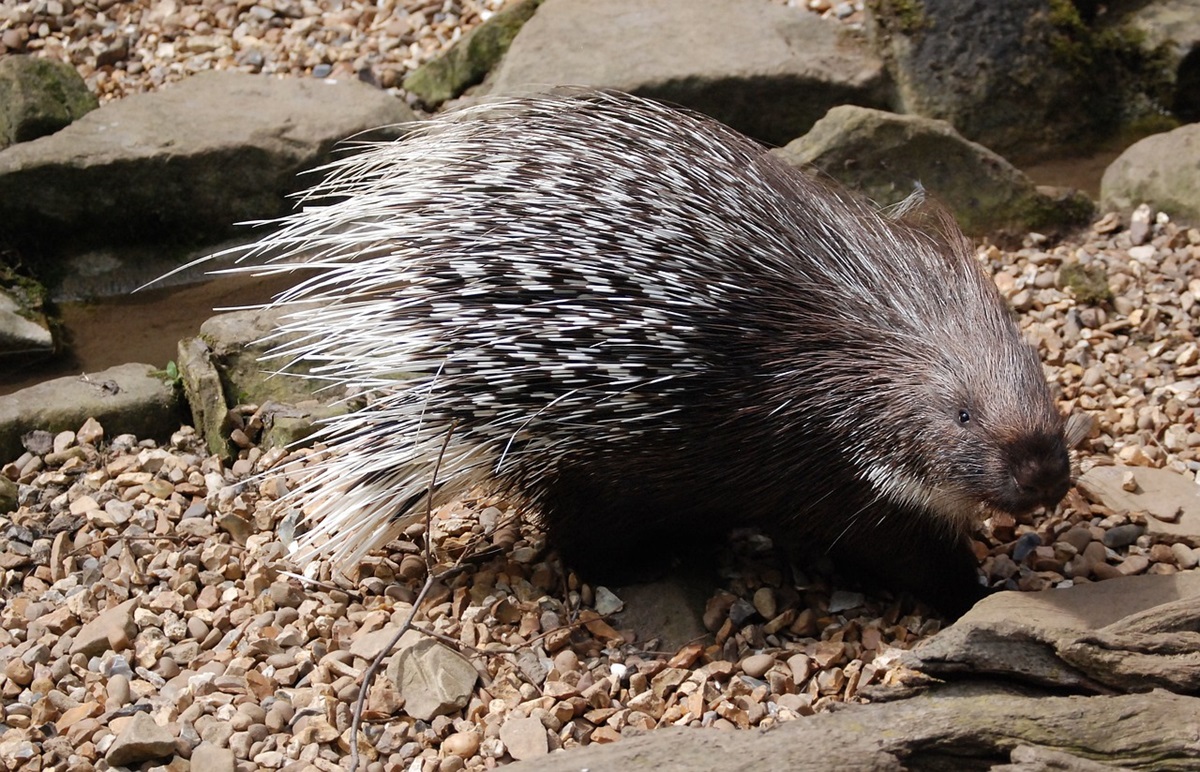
[1129,633]
[433,678]
[184,163]
[1171,501]
[132,398]
[767,70]
[966,721]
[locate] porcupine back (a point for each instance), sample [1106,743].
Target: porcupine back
[639,323]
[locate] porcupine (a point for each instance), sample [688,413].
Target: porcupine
[640,324]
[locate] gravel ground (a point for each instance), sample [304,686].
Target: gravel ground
[143,581]
[126,46]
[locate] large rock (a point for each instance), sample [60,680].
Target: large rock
[470,59]
[765,69]
[24,328]
[1172,29]
[133,398]
[1171,500]
[205,394]
[184,163]
[1162,170]
[239,343]
[1028,78]
[38,97]
[230,359]
[885,155]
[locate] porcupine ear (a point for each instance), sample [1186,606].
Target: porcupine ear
[911,204]
[924,214]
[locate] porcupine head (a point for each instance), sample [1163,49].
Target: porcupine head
[641,324]
[920,408]
[943,411]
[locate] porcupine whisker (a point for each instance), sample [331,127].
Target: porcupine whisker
[851,522]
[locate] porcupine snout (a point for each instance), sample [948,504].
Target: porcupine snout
[1041,473]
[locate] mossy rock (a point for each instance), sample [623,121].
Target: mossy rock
[885,156]
[39,97]
[469,60]
[1089,283]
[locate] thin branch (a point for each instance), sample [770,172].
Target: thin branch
[369,676]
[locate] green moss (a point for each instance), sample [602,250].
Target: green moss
[470,59]
[31,297]
[41,97]
[1089,283]
[8,495]
[905,16]
[1070,39]
[1123,80]
[1053,212]
[1153,123]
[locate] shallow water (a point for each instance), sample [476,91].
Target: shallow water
[143,326]
[1082,173]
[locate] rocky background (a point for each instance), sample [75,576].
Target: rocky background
[151,619]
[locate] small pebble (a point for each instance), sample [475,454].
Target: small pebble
[1134,564]
[757,665]
[1122,536]
[843,600]
[1025,546]
[1078,537]
[118,691]
[1185,556]
[525,738]
[462,744]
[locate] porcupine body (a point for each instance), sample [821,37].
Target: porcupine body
[640,324]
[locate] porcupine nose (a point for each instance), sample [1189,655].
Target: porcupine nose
[1042,474]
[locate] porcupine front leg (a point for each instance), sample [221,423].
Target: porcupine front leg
[908,551]
[623,535]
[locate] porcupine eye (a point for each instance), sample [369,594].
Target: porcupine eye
[964,417]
